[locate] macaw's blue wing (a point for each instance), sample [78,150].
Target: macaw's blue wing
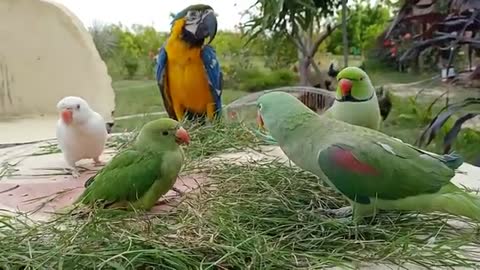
[160,71]
[215,76]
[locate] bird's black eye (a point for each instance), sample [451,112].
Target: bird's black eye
[361,78]
[78,106]
[165,133]
[193,14]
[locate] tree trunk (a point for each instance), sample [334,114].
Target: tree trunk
[344,33]
[307,47]
[303,70]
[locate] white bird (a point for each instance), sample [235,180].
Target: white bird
[81,132]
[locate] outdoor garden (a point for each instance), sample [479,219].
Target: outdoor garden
[266,213]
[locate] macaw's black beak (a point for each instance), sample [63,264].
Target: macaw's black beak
[207,27]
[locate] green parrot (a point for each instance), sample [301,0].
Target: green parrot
[355,100]
[138,176]
[372,170]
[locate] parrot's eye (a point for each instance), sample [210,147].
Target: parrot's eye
[259,106]
[78,106]
[193,14]
[361,78]
[165,133]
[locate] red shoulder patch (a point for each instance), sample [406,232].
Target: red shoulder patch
[348,161]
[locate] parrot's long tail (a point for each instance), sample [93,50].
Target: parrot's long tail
[455,201]
[449,199]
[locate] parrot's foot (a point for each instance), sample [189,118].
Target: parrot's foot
[343,212]
[75,173]
[158,203]
[344,220]
[363,212]
[97,162]
[178,191]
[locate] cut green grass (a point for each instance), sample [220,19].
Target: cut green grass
[251,216]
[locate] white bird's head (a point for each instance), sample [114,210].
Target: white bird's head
[73,110]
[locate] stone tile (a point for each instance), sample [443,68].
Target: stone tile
[39,185]
[40,197]
[37,127]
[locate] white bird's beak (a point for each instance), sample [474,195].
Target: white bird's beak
[67,116]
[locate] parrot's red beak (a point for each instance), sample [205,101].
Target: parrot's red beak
[260,123]
[67,116]
[182,136]
[345,86]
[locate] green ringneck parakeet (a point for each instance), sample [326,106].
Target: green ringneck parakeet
[139,176]
[355,99]
[372,170]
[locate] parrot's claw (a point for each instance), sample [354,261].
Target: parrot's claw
[344,220]
[97,162]
[343,212]
[178,191]
[161,202]
[75,173]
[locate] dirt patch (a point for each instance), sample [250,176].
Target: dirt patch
[38,185]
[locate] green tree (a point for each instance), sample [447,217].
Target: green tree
[366,23]
[228,44]
[278,51]
[297,20]
[130,51]
[344,33]
[147,39]
[105,39]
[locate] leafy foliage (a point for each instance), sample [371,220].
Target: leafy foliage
[127,52]
[293,16]
[468,108]
[298,21]
[104,38]
[279,51]
[258,80]
[366,23]
[131,56]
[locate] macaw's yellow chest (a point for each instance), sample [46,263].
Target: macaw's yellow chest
[187,80]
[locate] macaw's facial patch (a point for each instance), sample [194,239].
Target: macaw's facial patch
[199,24]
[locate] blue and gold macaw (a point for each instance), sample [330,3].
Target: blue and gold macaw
[187,71]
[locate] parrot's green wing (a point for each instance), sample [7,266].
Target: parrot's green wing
[385,169]
[127,177]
